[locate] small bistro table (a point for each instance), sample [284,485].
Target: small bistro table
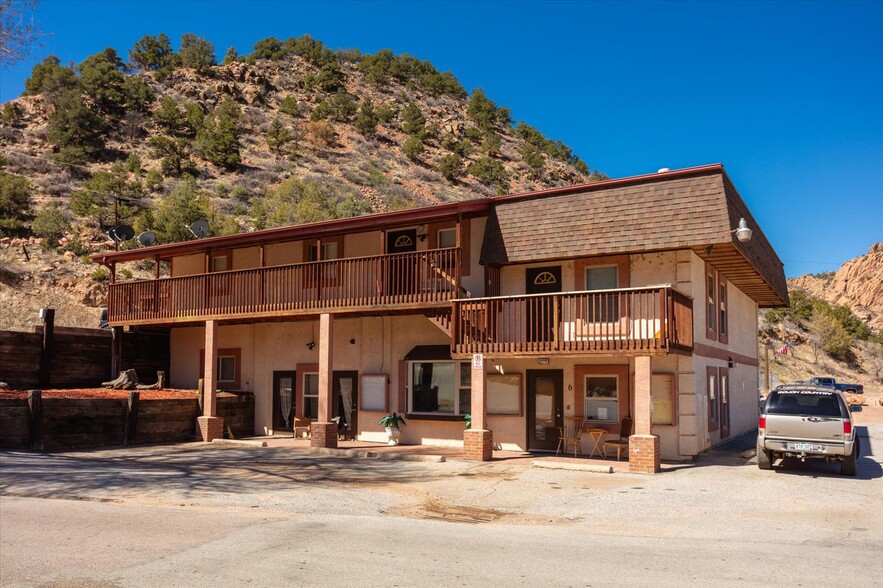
[596,435]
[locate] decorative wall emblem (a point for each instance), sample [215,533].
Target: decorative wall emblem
[544,278]
[404,241]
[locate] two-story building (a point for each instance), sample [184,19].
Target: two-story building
[623,298]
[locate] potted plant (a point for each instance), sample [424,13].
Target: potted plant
[393,423]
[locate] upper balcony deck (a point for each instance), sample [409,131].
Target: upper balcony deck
[403,282]
[627,321]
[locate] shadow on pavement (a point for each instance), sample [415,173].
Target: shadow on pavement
[191,469]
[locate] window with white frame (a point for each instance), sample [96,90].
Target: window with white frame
[311,396]
[439,387]
[602,398]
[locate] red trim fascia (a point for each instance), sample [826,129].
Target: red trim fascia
[321,229]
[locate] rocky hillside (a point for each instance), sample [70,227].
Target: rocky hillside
[858,284]
[377,132]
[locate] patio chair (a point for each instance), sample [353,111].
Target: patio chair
[570,435]
[302,428]
[625,430]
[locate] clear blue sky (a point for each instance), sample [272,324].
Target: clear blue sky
[788,96]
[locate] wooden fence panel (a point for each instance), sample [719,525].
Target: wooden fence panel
[81,357]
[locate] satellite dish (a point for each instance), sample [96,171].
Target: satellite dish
[147,238]
[121,233]
[198,229]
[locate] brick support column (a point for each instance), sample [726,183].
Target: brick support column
[210,427]
[210,404]
[478,444]
[644,454]
[643,445]
[323,432]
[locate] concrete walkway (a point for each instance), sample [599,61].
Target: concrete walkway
[450,453]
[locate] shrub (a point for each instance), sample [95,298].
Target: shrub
[488,171]
[322,111]
[76,246]
[133,163]
[50,224]
[15,201]
[289,106]
[100,274]
[534,160]
[343,106]
[95,199]
[413,147]
[320,134]
[173,155]
[153,180]
[183,206]
[450,166]
[385,113]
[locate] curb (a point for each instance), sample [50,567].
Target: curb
[577,467]
[375,455]
[244,442]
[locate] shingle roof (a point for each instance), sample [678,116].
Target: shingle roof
[650,214]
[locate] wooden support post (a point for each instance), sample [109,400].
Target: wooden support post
[131,419]
[35,419]
[46,350]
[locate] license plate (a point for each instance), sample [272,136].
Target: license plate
[803,446]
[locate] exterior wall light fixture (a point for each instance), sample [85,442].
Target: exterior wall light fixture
[743,233]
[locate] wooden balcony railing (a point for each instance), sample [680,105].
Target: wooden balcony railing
[635,321]
[411,280]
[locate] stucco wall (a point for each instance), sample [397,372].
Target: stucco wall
[284,253]
[246,258]
[188,265]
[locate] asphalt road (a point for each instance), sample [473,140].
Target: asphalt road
[203,516]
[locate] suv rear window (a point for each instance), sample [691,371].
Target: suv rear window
[803,402]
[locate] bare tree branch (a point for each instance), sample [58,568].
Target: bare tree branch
[18,32]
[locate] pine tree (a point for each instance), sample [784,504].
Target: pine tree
[278,136]
[218,141]
[170,117]
[50,78]
[75,131]
[102,79]
[230,56]
[482,110]
[152,53]
[197,53]
[413,121]
[413,147]
[366,119]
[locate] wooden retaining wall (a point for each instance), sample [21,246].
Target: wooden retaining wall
[79,358]
[58,424]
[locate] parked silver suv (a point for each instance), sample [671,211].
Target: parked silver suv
[807,422]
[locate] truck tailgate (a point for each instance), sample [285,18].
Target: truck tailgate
[806,428]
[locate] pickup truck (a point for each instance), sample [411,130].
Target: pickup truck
[828,381]
[807,422]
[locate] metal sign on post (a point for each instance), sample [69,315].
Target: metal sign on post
[477,361]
